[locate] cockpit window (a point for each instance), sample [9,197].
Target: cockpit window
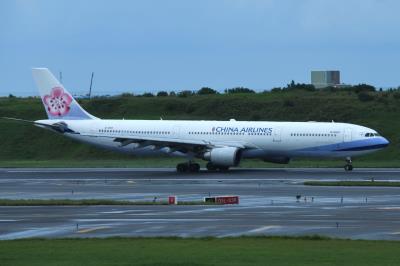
[368,135]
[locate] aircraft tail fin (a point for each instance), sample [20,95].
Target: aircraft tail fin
[57,101]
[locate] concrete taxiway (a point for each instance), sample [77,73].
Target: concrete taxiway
[267,206]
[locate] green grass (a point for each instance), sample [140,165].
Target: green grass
[203,251]
[88,202]
[354,183]
[23,144]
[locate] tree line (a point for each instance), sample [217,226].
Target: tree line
[362,89]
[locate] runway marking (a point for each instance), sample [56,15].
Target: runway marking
[264,228]
[88,230]
[35,232]
[149,220]
[121,212]
[388,208]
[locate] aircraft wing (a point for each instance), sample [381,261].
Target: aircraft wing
[173,144]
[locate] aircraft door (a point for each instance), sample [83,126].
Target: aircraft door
[347,135]
[277,132]
[176,131]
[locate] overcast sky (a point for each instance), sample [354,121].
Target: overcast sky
[138,46]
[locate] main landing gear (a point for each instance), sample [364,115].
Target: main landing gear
[212,167]
[348,166]
[188,167]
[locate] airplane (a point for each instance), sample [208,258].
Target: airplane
[223,144]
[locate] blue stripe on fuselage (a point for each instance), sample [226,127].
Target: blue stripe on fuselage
[364,148]
[356,145]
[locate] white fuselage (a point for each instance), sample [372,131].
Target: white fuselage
[261,139]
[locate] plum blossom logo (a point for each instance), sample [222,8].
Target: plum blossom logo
[58,102]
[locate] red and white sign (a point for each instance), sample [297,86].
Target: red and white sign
[172,200]
[227,200]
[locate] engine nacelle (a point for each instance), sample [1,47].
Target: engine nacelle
[277,159]
[224,156]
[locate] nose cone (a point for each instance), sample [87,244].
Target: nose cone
[380,142]
[385,142]
[377,143]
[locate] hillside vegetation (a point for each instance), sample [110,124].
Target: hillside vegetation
[378,110]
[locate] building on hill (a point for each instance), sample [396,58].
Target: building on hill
[325,78]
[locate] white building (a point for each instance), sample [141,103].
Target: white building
[326,78]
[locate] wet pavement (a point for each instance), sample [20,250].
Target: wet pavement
[268,204]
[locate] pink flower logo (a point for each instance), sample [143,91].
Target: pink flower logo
[58,102]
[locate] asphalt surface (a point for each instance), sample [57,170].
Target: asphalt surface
[268,204]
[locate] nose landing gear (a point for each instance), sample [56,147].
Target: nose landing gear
[348,166]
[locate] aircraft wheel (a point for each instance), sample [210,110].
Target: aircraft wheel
[223,168]
[182,167]
[211,167]
[348,167]
[194,167]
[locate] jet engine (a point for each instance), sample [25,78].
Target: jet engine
[224,156]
